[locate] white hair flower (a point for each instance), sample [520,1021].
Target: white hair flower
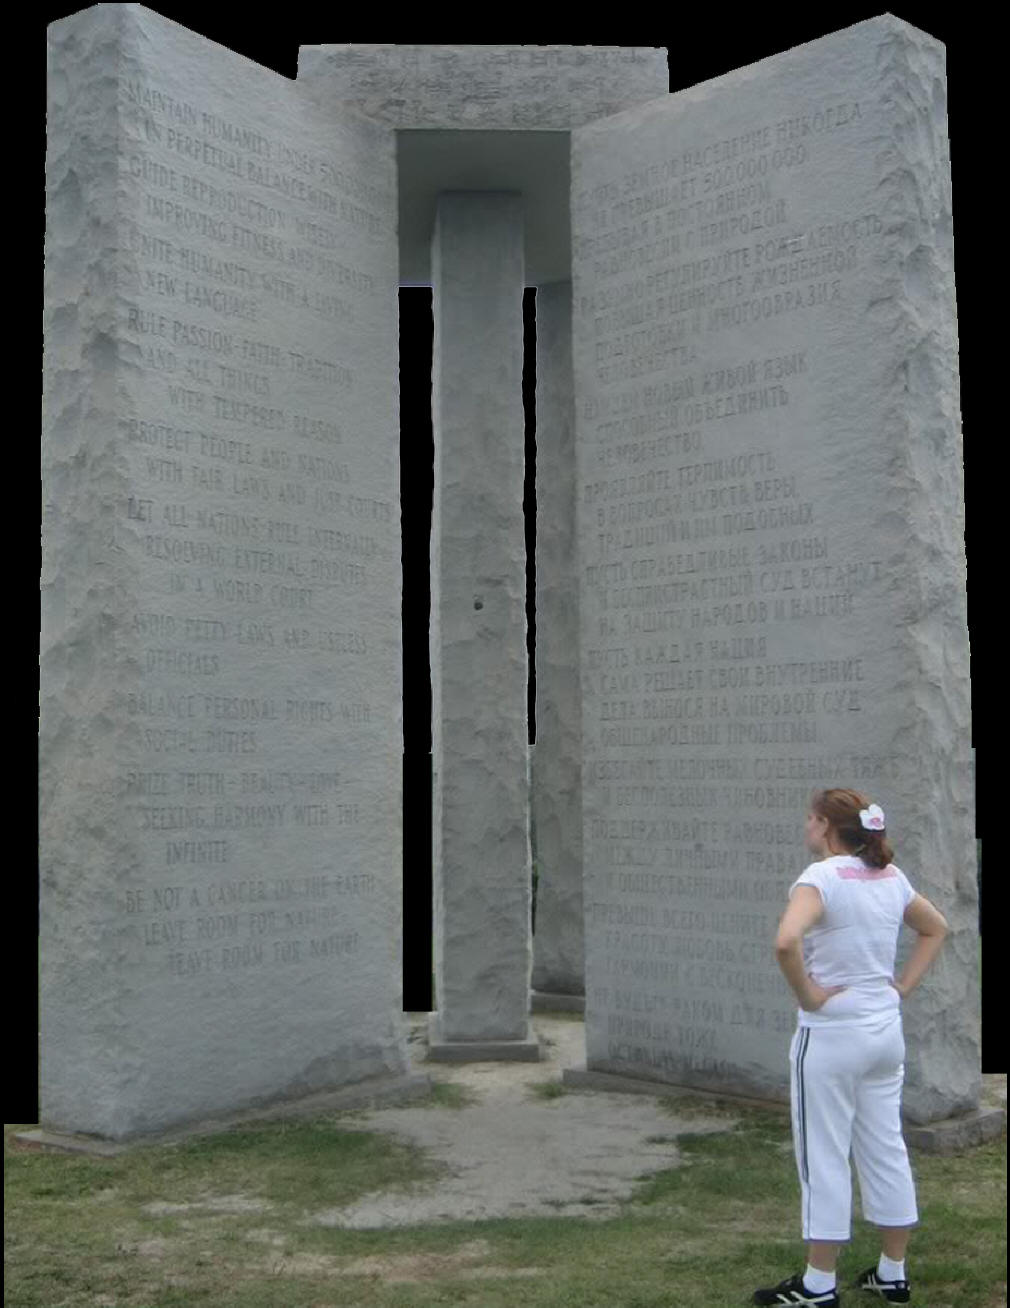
[872,818]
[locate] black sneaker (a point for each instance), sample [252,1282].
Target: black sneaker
[794,1291]
[892,1291]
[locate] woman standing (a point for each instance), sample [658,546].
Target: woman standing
[836,945]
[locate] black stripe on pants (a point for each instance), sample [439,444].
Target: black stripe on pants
[801,1104]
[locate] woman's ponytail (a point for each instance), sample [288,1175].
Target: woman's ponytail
[842,809]
[876,849]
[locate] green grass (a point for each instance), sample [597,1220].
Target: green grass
[548,1090]
[82,1231]
[448,1094]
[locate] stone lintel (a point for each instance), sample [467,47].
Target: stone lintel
[504,87]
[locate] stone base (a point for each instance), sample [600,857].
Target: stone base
[543,1001]
[585,1079]
[952,1134]
[944,1137]
[480,1051]
[364,1094]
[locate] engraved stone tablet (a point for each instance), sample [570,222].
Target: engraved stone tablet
[772,538]
[220,738]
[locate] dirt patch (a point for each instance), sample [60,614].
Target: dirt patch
[156,1247]
[263,1235]
[468,1262]
[222,1203]
[512,1150]
[16,1146]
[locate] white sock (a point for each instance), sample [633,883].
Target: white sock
[889,1270]
[818,1282]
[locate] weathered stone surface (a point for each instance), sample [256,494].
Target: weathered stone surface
[505,87]
[772,544]
[220,732]
[557,759]
[466,108]
[480,813]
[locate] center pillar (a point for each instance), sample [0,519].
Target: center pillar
[480,805]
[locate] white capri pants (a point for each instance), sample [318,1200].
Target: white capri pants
[846,1095]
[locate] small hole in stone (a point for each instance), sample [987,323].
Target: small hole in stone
[478,604]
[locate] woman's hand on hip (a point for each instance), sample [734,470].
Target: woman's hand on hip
[815,996]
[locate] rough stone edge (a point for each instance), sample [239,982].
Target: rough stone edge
[85,1048]
[544,1001]
[372,1093]
[526,1050]
[921,427]
[556,808]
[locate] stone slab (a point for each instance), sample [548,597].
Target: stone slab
[951,1134]
[220,740]
[499,87]
[767,422]
[556,791]
[369,1094]
[524,1050]
[480,753]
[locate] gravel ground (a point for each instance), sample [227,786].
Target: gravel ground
[512,1153]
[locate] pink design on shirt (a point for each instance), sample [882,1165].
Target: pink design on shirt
[852,872]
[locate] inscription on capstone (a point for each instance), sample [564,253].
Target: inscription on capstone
[507,87]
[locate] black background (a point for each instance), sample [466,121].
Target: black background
[710,43]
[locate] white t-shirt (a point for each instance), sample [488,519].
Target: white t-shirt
[855,941]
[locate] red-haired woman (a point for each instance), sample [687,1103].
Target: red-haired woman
[836,945]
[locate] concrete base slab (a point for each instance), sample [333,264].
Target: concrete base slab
[585,1079]
[542,1001]
[365,1094]
[955,1133]
[526,1050]
[944,1137]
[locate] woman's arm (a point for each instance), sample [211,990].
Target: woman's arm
[805,907]
[931,925]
